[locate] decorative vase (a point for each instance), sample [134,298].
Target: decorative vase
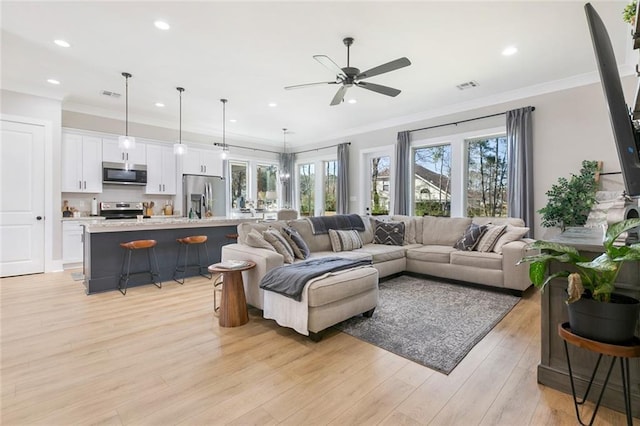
[612,322]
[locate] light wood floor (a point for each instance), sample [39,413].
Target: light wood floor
[158,357]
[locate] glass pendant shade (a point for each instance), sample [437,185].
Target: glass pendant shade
[224,154]
[179,149]
[126,142]
[284,175]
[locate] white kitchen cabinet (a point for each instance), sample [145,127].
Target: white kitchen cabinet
[161,170]
[202,162]
[114,154]
[81,163]
[72,244]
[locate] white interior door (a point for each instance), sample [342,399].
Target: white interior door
[21,198]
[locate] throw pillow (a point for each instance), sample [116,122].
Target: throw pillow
[255,239]
[470,238]
[512,233]
[344,240]
[389,233]
[298,244]
[489,238]
[279,242]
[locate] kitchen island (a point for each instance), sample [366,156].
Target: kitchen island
[103,254]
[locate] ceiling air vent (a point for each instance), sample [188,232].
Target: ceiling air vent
[110,94]
[468,85]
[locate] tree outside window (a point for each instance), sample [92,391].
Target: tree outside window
[432,181]
[380,168]
[330,180]
[487,177]
[238,184]
[307,177]
[266,184]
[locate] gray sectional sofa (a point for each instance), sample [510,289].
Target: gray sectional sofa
[427,249]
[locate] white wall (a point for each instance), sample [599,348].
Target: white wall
[48,110]
[568,126]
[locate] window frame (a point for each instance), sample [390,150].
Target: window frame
[318,162]
[365,177]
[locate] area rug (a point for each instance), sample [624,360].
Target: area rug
[432,323]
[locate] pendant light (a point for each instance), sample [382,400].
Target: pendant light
[126,142]
[284,176]
[178,148]
[225,149]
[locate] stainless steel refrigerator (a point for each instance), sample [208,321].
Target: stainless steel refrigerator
[204,196]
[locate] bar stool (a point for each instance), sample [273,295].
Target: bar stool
[186,242]
[130,246]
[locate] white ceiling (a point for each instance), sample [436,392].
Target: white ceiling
[248,51]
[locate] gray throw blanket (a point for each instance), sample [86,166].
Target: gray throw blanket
[322,224]
[289,280]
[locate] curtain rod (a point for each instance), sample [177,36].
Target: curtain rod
[455,123]
[324,147]
[244,147]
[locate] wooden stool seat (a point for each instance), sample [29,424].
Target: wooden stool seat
[138,244]
[129,247]
[198,241]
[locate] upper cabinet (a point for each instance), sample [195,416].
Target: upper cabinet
[114,154]
[81,163]
[202,162]
[161,170]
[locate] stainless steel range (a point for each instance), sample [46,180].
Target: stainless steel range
[120,209]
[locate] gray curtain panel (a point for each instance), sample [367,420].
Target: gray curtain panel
[520,161]
[402,184]
[287,162]
[342,189]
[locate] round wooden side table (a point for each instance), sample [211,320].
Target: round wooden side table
[233,307]
[620,352]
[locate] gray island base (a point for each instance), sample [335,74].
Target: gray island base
[103,254]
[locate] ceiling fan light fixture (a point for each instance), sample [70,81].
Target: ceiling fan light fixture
[179,148]
[126,142]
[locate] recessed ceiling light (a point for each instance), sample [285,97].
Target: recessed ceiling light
[233,120]
[53,81]
[161,25]
[511,50]
[159,104]
[62,43]
[352,101]
[273,104]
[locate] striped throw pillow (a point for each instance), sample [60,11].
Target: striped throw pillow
[275,238]
[344,240]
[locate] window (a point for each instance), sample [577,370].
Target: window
[432,181]
[330,181]
[306,186]
[380,169]
[487,177]
[266,184]
[238,184]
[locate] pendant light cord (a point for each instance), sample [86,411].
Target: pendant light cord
[180,90]
[126,76]
[224,122]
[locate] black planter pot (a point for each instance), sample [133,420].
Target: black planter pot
[613,322]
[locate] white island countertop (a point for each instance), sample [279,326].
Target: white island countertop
[100,226]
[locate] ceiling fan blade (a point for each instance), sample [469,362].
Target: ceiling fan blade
[385,90]
[300,86]
[381,69]
[339,96]
[332,66]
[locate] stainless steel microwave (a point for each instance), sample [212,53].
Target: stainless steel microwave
[124,173]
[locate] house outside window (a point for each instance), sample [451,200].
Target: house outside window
[487,177]
[238,183]
[380,171]
[330,182]
[306,189]
[432,180]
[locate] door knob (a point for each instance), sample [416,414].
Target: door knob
[39,217]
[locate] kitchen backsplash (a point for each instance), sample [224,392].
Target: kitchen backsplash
[82,201]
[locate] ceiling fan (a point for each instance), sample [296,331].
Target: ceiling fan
[350,76]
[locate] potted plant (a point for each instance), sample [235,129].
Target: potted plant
[591,284]
[629,13]
[570,200]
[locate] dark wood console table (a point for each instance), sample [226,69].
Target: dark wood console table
[552,370]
